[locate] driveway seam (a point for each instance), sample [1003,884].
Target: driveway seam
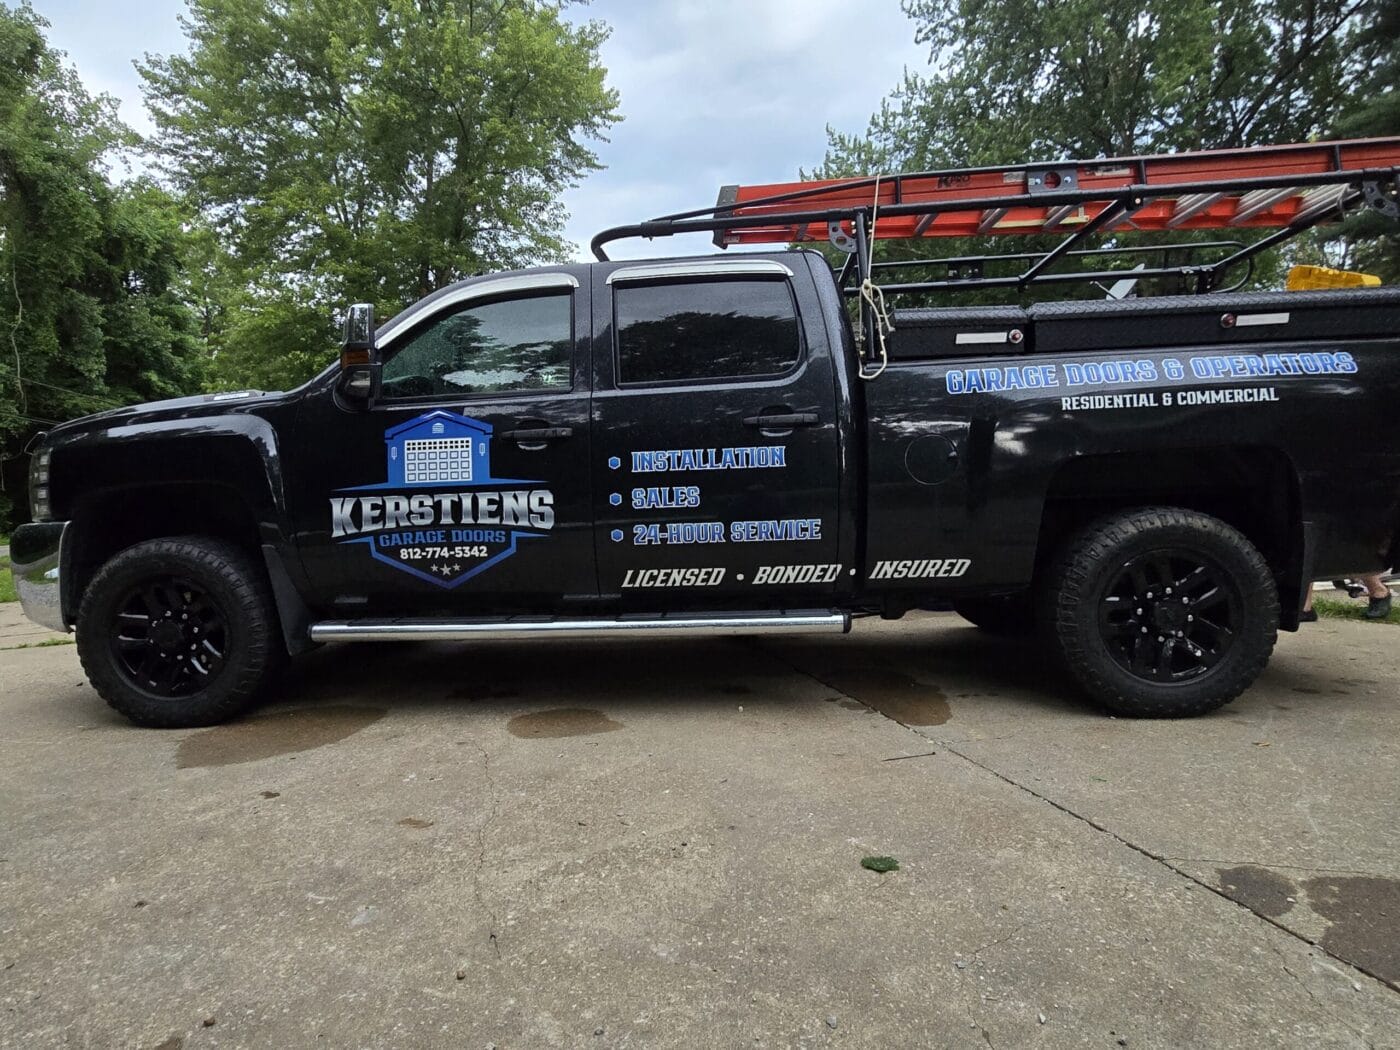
[1142,850]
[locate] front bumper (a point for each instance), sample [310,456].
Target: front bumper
[35,553]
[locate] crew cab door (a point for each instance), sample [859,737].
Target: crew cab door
[715,437]
[465,486]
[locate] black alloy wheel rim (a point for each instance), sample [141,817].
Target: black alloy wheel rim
[1170,616]
[170,638]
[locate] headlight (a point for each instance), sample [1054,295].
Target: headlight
[39,507]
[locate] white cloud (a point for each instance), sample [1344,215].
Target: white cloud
[712,91]
[730,91]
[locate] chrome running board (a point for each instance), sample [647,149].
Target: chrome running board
[796,621]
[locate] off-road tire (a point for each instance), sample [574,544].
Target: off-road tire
[231,582]
[1101,556]
[1008,616]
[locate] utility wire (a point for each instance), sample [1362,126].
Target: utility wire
[74,393]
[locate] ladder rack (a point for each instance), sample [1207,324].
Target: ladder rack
[1288,189]
[1285,188]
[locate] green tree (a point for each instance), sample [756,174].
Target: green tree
[1012,81]
[1016,80]
[92,313]
[371,150]
[1371,242]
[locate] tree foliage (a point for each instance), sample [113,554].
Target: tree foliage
[1017,80]
[370,150]
[91,306]
[1011,81]
[1371,242]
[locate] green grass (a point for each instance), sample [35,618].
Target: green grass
[1345,609]
[46,643]
[7,582]
[880,864]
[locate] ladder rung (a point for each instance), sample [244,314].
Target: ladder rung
[1252,204]
[1319,200]
[1190,206]
[990,218]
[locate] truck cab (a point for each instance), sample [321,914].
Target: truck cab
[586,437]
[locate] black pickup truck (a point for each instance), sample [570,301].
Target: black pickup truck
[701,444]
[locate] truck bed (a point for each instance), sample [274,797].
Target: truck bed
[1221,319]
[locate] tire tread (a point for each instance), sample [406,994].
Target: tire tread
[246,673]
[1071,577]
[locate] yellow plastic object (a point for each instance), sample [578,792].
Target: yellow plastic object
[1311,278]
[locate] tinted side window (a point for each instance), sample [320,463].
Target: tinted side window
[704,330]
[487,348]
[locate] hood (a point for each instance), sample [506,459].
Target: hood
[173,408]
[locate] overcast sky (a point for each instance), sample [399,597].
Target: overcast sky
[713,91]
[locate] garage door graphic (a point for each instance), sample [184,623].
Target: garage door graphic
[439,449]
[441,515]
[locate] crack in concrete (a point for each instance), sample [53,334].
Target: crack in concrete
[481,846]
[1000,940]
[1157,858]
[1321,1005]
[1164,862]
[1280,867]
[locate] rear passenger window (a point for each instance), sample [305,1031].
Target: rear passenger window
[679,331]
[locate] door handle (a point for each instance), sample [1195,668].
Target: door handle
[782,420]
[538,434]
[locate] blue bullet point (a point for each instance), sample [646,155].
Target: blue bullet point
[617,535]
[615,499]
[614,462]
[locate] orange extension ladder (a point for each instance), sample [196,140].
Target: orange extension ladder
[1265,186]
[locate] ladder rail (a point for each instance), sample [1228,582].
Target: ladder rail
[708,222]
[1264,186]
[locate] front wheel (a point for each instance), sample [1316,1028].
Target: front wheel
[179,632]
[1162,612]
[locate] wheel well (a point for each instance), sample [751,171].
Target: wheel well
[111,521]
[1254,489]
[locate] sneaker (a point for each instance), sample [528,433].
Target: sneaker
[1308,616]
[1378,608]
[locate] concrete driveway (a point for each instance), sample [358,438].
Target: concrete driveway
[606,845]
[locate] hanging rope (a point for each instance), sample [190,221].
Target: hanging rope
[874,295]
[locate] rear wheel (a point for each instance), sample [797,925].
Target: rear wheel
[1162,612]
[179,632]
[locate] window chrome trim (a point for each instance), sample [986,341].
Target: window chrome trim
[701,268]
[522,282]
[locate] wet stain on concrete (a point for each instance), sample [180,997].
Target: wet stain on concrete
[561,721]
[268,736]
[894,695]
[1364,911]
[415,822]
[1258,889]
[733,689]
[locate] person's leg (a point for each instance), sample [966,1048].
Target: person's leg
[1378,607]
[1307,615]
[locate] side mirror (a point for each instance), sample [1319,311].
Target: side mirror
[359,358]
